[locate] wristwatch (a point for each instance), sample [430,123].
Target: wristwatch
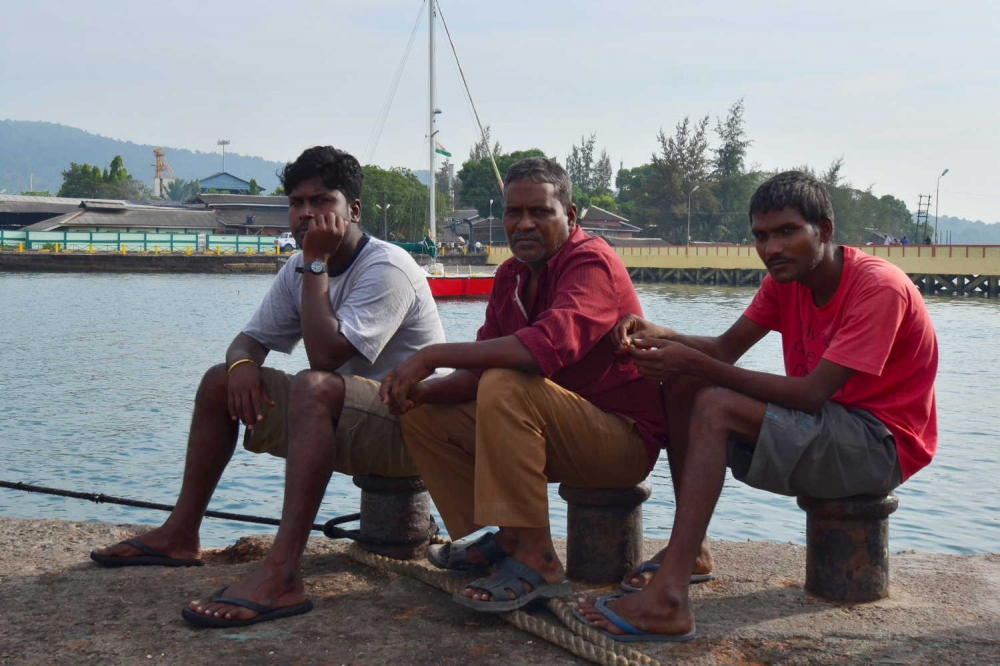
[315,267]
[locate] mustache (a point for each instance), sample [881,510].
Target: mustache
[527,236]
[776,260]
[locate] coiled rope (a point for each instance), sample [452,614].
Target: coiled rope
[580,639]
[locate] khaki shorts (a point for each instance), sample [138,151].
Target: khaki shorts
[836,453]
[367,439]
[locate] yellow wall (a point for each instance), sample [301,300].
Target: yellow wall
[912,259]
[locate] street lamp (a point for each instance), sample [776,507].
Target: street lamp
[695,189]
[223,143]
[490,241]
[385,219]
[936,197]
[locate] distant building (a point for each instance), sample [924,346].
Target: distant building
[226,183]
[125,216]
[599,222]
[248,214]
[17,211]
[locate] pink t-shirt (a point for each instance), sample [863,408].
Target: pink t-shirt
[877,324]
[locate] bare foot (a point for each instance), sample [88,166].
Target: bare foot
[704,565]
[161,539]
[268,585]
[670,615]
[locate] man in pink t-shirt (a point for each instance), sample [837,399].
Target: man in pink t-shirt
[854,414]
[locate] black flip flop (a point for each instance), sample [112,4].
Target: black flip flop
[151,558]
[266,613]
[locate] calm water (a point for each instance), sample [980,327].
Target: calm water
[98,373]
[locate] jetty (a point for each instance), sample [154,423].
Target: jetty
[963,270]
[59,607]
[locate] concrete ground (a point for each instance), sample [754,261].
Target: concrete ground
[57,607]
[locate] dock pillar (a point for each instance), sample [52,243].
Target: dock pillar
[847,547]
[395,516]
[604,531]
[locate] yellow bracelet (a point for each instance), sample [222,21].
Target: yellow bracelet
[242,360]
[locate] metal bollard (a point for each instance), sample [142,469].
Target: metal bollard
[604,535]
[395,516]
[847,546]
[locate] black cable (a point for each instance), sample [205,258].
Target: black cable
[101,498]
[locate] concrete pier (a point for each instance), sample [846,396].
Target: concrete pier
[58,607]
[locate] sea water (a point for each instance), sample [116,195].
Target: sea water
[98,374]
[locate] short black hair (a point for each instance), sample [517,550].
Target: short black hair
[793,189]
[337,169]
[542,170]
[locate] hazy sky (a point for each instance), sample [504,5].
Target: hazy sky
[901,89]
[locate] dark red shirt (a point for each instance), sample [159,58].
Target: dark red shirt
[583,292]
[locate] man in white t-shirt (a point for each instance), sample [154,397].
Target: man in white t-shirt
[361,306]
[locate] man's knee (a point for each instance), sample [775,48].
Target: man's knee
[727,410]
[715,403]
[214,387]
[497,383]
[312,391]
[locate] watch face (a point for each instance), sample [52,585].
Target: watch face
[317,267]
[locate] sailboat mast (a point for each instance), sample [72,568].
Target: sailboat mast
[432,134]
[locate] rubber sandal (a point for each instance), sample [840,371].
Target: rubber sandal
[511,576]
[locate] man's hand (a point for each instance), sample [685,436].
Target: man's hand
[401,390]
[632,327]
[661,360]
[323,237]
[247,396]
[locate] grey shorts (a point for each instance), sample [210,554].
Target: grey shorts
[836,453]
[367,439]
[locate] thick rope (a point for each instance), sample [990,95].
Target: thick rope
[583,641]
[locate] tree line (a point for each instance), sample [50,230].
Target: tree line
[697,177]
[696,170]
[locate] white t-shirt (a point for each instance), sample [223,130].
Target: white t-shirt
[381,300]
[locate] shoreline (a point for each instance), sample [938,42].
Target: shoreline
[34,261]
[60,608]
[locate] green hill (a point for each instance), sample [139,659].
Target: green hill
[964,232]
[46,149]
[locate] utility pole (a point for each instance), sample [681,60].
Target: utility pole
[936,202]
[223,143]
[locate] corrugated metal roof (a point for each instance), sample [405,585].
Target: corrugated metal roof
[277,218]
[149,217]
[594,213]
[242,200]
[75,201]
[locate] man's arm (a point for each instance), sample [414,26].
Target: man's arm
[326,347]
[457,387]
[728,347]
[663,359]
[398,386]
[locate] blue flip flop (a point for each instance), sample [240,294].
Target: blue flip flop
[650,565]
[266,613]
[632,635]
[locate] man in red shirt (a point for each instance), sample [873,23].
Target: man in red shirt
[540,397]
[854,415]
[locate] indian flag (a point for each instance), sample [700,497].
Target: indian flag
[440,149]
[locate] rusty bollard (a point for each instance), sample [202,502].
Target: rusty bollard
[395,516]
[847,546]
[604,532]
